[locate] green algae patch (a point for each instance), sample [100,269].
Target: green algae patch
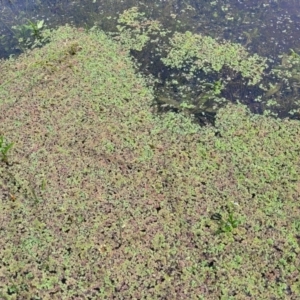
[102,199]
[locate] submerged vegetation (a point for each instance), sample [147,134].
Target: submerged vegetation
[101,197]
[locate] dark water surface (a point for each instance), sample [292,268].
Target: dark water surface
[269,28]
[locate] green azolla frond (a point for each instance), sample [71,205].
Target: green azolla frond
[289,69]
[131,17]
[135,29]
[204,52]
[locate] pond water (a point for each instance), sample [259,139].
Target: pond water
[270,28]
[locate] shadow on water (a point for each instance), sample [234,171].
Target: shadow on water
[267,27]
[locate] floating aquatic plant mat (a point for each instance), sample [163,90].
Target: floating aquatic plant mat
[102,199]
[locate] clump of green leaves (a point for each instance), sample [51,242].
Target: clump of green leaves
[4,149]
[29,35]
[227,225]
